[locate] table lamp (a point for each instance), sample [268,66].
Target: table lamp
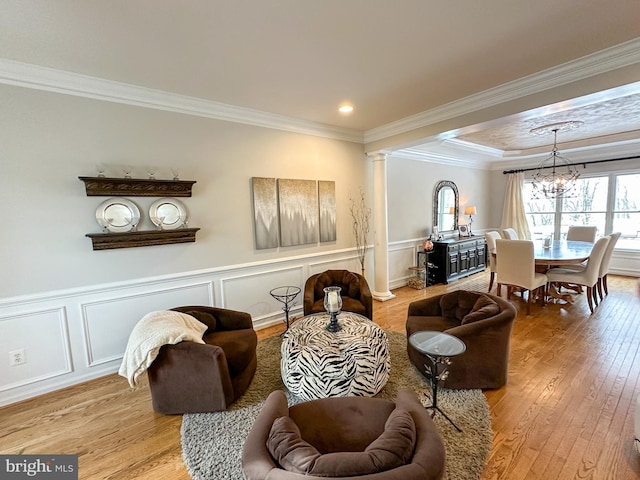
[471,211]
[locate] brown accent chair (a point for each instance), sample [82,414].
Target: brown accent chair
[190,377]
[344,437]
[482,321]
[355,293]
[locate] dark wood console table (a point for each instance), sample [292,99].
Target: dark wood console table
[458,257]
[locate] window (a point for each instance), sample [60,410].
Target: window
[587,205]
[611,202]
[626,210]
[540,213]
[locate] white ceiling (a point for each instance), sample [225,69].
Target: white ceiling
[608,127]
[302,58]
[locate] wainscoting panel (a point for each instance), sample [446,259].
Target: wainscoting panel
[249,292]
[108,323]
[401,257]
[625,263]
[351,263]
[75,335]
[44,337]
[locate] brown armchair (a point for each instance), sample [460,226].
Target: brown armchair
[344,437]
[482,321]
[355,293]
[190,377]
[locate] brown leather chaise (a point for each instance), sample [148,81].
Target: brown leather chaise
[344,437]
[355,293]
[190,377]
[482,321]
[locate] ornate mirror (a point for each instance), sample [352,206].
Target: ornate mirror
[445,206]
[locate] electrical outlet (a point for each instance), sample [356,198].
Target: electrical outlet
[17,357]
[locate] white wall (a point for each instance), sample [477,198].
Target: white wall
[410,188]
[48,140]
[411,185]
[72,308]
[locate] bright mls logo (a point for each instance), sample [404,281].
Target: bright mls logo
[51,467]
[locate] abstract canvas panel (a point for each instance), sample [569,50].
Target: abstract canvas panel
[265,211]
[327,203]
[298,212]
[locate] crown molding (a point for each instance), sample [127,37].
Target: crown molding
[624,148]
[439,158]
[469,155]
[618,56]
[473,147]
[68,83]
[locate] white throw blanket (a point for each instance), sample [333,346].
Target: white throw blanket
[156,329]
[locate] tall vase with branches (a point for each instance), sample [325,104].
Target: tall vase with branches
[360,216]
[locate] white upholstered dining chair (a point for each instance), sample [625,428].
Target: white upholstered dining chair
[516,268]
[582,233]
[509,234]
[586,276]
[491,238]
[604,265]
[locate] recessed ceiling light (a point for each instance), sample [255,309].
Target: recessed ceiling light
[345,108]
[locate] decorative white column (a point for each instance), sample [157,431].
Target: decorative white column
[380,289]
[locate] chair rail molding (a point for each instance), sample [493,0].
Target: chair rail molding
[87,328]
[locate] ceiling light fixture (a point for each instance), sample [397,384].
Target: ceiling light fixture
[562,178]
[345,108]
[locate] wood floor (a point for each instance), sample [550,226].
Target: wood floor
[566,413]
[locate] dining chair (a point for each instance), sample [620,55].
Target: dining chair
[516,268]
[582,233]
[510,234]
[604,265]
[491,238]
[587,276]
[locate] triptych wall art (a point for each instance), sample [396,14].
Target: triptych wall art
[293,212]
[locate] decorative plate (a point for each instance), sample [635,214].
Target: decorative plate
[168,214]
[118,215]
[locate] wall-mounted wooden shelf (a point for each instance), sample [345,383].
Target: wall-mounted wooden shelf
[108,241]
[136,187]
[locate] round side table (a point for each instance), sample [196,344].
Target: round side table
[438,347]
[286,296]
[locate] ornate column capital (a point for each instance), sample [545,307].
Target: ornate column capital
[379,156]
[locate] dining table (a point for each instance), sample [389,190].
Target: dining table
[561,252]
[557,254]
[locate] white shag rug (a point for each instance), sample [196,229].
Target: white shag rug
[212,442]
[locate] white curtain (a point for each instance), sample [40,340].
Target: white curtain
[513,211]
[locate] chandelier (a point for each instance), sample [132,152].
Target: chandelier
[555,176]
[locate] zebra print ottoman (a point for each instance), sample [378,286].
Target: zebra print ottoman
[319,364]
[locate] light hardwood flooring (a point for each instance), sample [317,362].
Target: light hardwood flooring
[566,413]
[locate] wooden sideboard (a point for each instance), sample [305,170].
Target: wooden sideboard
[458,257]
